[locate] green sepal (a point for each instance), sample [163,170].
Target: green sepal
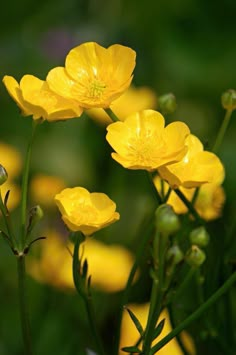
[136,322]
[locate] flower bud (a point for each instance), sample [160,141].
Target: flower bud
[35,215]
[3,175]
[167,221]
[167,103]
[195,256]
[228,100]
[174,254]
[200,237]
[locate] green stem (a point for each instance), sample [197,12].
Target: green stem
[86,298]
[222,130]
[155,191]
[199,311]
[23,306]
[25,187]
[189,205]
[111,114]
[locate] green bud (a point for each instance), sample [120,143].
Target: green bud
[174,254]
[200,237]
[167,103]
[228,100]
[3,175]
[195,256]
[167,221]
[35,215]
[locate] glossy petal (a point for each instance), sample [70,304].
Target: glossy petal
[84,211]
[196,168]
[94,76]
[140,141]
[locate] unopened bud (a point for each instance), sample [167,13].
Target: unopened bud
[35,215]
[200,237]
[195,256]
[167,221]
[3,175]
[167,103]
[174,254]
[228,100]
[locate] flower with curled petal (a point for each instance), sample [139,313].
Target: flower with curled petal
[34,97]
[143,142]
[196,168]
[84,211]
[94,76]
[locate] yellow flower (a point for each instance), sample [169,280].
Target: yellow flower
[43,189]
[84,211]
[34,97]
[142,141]
[209,202]
[134,99]
[196,168]
[109,265]
[10,159]
[94,76]
[130,335]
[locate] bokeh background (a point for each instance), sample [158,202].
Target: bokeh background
[184,47]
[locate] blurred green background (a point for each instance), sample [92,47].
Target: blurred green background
[184,47]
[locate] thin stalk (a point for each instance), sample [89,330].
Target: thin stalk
[24,315]
[189,205]
[222,131]
[155,191]
[199,311]
[86,298]
[111,114]
[25,180]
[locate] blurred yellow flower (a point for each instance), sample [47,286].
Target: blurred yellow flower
[134,99]
[10,159]
[84,211]
[109,265]
[94,76]
[14,196]
[209,202]
[196,168]
[43,189]
[34,97]
[130,335]
[142,141]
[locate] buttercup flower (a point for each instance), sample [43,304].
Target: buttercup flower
[34,97]
[134,99]
[130,335]
[84,211]
[209,202]
[109,265]
[196,168]
[94,76]
[142,141]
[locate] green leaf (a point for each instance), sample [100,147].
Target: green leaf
[131,349]
[136,322]
[158,329]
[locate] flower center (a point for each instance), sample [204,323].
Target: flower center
[96,89]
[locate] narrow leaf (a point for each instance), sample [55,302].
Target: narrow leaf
[158,329]
[131,349]
[136,322]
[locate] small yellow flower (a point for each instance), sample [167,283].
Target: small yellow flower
[196,168]
[130,335]
[134,99]
[34,97]
[94,76]
[84,211]
[109,265]
[43,189]
[142,141]
[209,202]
